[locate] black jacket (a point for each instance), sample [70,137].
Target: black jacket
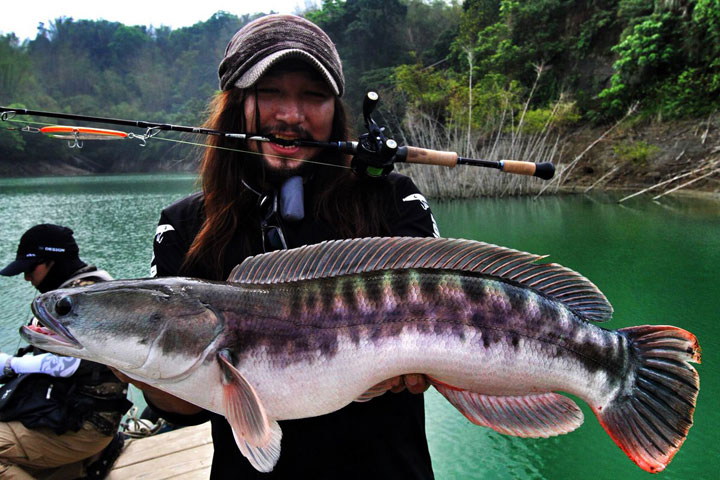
[382,438]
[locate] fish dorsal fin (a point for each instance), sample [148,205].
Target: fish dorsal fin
[533,416]
[347,257]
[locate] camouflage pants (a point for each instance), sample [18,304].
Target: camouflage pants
[41,454]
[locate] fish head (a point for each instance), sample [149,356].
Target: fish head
[150,329]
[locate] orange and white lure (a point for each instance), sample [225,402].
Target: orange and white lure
[78,134]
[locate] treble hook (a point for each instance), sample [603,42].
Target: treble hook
[76,140]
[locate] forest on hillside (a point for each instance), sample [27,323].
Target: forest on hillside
[458,66]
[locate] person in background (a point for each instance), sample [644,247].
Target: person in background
[59,416]
[281,76]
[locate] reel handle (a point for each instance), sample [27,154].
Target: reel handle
[369,103]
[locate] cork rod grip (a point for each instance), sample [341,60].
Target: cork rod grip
[515,166]
[431,157]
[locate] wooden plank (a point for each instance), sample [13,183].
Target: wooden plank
[184,454]
[144,449]
[195,460]
[202,474]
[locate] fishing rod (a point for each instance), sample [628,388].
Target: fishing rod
[374,154]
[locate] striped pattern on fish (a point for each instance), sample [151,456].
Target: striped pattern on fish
[303,332]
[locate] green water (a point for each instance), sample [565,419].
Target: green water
[656,262]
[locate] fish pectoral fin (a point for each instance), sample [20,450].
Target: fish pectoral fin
[257,437]
[542,415]
[264,458]
[376,390]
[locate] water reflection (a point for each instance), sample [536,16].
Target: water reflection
[476,453]
[114,219]
[656,262]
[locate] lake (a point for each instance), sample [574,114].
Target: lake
[656,262]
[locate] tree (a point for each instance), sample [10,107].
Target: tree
[14,68]
[667,59]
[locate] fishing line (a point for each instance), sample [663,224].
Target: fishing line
[184,142]
[250,152]
[373,155]
[26,122]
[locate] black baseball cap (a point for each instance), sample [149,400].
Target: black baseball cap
[40,244]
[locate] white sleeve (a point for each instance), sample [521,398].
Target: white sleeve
[47,363]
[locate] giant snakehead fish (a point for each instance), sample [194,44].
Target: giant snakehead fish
[304,332]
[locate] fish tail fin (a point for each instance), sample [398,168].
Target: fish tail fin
[651,414]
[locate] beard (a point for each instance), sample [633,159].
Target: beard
[263,176]
[275,176]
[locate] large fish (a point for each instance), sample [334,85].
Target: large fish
[304,332]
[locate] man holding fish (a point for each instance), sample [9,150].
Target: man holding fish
[291,353]
[282,76]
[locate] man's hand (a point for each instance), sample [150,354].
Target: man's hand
[6,371]
[414,382]
[160,399]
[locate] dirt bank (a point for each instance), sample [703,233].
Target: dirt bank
[636,155]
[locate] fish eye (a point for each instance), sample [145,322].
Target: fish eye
[63,306]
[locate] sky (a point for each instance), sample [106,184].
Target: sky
[23,18]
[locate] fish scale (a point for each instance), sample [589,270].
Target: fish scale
[506,313]
[304,332]
[437,324]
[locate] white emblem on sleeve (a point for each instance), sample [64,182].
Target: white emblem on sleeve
[424,204]
[166,227]
[419,197]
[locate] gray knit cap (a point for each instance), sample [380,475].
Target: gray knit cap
[263,42]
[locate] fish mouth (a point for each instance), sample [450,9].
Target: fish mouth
[49,332]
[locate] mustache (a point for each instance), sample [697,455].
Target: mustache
[281,127]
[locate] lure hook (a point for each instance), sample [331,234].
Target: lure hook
[76,143]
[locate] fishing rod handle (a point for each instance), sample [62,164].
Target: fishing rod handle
[426,156]
[542,170]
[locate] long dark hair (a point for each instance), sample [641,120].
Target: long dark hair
[354,206]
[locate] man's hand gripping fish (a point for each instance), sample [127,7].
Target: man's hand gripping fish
[304,332]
